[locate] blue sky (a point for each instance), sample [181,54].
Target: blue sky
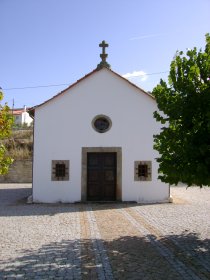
[53,42]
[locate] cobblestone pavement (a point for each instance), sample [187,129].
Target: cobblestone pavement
[105,241]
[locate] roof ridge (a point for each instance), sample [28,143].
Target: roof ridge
[86,76]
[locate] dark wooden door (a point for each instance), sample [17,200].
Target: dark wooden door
[101,176]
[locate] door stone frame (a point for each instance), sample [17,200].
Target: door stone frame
[118,151]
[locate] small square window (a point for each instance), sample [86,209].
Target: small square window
[142,170]
[60,170]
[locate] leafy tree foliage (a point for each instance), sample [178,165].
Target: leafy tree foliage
[6,121]
[184,112]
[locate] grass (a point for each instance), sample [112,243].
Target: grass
[20,144]
[22,153]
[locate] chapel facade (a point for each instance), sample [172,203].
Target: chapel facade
[99,144]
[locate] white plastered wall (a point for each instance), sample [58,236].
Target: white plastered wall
[63,127]
[25,118]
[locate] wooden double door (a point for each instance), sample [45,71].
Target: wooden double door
[101,176]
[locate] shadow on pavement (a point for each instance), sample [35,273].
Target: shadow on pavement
[13,202]
[130,258]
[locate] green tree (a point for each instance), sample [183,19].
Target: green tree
[184,111]
[6,122]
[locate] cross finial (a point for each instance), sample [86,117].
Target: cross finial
[103,56]
[103,45]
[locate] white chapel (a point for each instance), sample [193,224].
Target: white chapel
[99,144]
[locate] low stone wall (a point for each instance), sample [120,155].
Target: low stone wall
[19,172]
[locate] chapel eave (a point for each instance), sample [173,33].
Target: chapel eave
[31,110]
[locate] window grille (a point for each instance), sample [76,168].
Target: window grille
[60,170]
[142,170]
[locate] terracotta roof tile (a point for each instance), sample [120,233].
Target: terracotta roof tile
[16,111]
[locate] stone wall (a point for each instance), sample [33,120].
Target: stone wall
[20,172]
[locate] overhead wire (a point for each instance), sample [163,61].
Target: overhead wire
[67,84]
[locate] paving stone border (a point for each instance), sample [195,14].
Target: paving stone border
[103,266]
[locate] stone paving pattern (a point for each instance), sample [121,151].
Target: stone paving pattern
[105,241]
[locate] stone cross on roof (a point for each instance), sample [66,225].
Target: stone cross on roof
[103,56]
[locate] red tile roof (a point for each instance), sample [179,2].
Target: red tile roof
[16,111]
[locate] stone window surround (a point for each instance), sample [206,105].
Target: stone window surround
[118,151]
[101,116]
[141,178]
[53,175]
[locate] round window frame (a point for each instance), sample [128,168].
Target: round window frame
[104,117]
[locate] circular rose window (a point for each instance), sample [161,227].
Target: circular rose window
[101,123]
